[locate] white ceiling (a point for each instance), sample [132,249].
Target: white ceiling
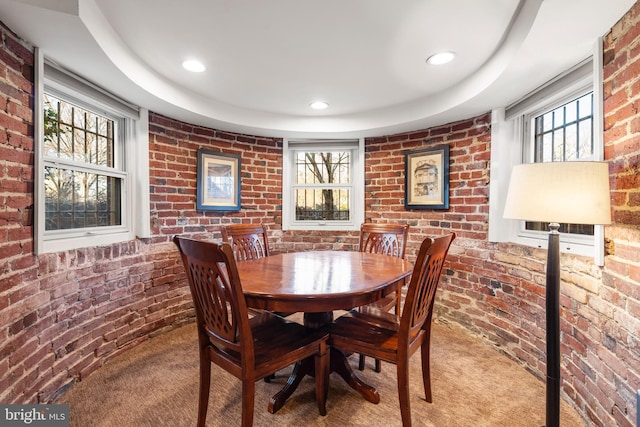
[267,60]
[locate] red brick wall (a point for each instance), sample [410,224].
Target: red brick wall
[173,153]
[18,302]
[62,315]
[613,355]
[173,149]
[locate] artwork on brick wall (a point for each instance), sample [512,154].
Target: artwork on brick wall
[426,178]
[218,186]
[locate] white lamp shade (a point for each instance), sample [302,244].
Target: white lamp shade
[562,192]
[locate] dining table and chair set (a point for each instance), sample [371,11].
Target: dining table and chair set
[244,298]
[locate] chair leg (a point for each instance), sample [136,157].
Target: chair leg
[399,297]
[322,378]
[205,384]
[426,370]
[248,398]
[361,364]
[403,391]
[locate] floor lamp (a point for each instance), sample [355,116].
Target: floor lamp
[558,192]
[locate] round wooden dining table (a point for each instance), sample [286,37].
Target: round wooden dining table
[317,283]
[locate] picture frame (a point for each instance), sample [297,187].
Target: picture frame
[218,181]
[426,184]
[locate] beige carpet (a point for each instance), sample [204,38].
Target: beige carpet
[156,383]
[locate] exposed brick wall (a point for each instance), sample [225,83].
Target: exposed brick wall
[622,123]
[18,302]
[613,307]
[469,148]
[173,147]
[62,315]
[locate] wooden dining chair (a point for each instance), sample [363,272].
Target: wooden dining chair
[249,241]
[249,349]
[382,335]
[385,239]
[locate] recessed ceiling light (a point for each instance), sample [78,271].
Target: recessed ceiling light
[319,105]
[193,65]
[441,58]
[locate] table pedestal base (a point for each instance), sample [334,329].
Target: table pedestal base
[338,362]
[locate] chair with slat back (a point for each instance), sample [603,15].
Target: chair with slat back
[248,348]
[249,241]
[382,335]
[385,239]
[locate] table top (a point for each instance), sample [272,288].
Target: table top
[320,281]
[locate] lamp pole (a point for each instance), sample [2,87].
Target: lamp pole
[558,192]
[553,327]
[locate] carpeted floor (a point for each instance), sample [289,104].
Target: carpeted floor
[156,383]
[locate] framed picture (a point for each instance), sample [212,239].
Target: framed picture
[426,179]
[218,187]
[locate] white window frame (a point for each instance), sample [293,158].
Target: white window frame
[511,144]
[132,161]
[356,207]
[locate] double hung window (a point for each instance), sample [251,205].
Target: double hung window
[564,133]
[91,162]
[323,185]
[83,167]
[558,122]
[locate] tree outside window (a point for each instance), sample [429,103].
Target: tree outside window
[321,193]
[78,152]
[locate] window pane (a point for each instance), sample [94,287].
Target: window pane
[70,132]
[547,120]
[571,112]
[92,121]
[547,148]
[585,148]
[558,117]
[558,145]
[78,118]
[571,142]
[91,147]
[322,204]
[323,167]
[65,112]
[79,147]
[65,142]
[564,134]
[75,199]
[585,106]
